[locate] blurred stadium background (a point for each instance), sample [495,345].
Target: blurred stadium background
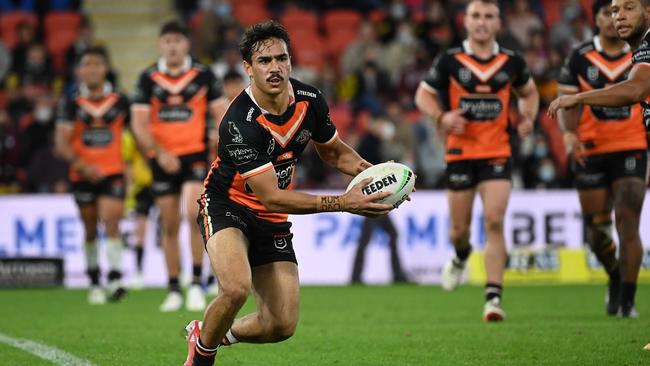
[368,57]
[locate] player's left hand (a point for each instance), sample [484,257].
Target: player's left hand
[525,126]
[564,101]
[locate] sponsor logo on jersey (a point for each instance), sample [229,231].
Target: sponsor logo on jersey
[306,93]
[285,156]
[284,172]
[481,108]
[174,113]
[241,153]
[97,137]
[249,115]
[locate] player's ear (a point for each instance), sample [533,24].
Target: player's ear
[248,68]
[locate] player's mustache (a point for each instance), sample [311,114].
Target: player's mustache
[274,76]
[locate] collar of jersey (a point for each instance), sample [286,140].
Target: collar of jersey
[599,47]
[85,92]
[162,65]
[292,98]
[469,51]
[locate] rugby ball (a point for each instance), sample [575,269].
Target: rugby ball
[396,178]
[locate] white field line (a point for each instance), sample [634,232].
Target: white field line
[52,354]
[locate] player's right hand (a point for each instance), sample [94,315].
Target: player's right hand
[573,148]
[453,121]
[168,162]
[358,203]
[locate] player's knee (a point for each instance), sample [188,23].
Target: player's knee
[599,232]
[493,222]
[283,329]
[234,294]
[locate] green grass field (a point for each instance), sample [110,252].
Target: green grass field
[400,325]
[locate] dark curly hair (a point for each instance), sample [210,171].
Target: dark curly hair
[256,34]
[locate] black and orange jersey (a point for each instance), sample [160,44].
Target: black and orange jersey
[641,56]
[252,141]
[482,88]
[603,129]
[97,127]
[179,105]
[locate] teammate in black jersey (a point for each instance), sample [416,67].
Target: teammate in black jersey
[632,22]
[248,197]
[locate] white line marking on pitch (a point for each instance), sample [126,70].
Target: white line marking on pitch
[52,354]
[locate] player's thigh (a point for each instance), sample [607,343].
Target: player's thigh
[277,292]
[228,253]
[110,212]
[628,195]
[595,202]
[191,192]
[495,194]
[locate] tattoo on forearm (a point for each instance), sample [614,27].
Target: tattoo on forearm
[330,203]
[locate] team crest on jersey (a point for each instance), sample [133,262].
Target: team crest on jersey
[237,138]
[592,73]
[501,77]
[464,75]
[303,137]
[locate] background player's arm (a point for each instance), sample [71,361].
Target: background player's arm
[426,99]
[633,90]
[568,119]
[528,105]
[265,187]
[341,156]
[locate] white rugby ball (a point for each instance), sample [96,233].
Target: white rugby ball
[396,178]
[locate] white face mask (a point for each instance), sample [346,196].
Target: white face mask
[547,173]
[43,114]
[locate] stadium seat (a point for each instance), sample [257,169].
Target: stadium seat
[552,12]
[248,13]
[196,20]
[309,49]
[299,20]
[9,22]
[338,41]
[61,30]
[341,116]
[336,20]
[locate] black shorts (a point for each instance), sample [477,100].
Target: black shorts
[601,170]
[269,241]
[466,174]
[143,201]
[194,167]
[86,193]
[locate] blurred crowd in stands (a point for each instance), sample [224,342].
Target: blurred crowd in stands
[366,56]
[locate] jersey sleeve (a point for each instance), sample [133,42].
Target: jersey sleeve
[246,146]
[143,90]
[522,73]
[569,72]
[214,86]
[65,112]
[325,131]
[126,107]
[438,76]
